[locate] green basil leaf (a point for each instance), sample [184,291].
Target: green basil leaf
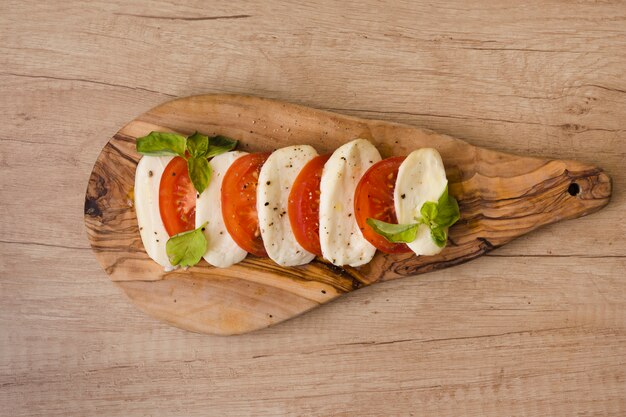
[187,248]
[199,172]
[394,233]
[439,235]
[429,211]
[448,213]
[161,144]
[220,144]
[448,210]
[197,145]
[437,216]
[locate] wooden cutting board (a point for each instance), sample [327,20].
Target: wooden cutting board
[501,197]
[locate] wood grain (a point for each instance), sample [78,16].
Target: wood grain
[534,328]
[501,197]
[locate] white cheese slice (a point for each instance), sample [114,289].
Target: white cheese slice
[222,251]
[340,237]
[275,180]
[421,178]
[151,228]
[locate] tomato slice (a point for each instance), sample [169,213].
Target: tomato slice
[373,198]
[177,198]
[239,202]
[304,205]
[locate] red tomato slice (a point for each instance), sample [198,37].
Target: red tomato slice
[239,202]
[304,205]
[177,198]
[373,198]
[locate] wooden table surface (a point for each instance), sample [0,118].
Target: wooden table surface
[536,328]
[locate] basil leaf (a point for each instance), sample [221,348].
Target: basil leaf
[220,144]
[429,211]
[187,248]
[197,144]
[199,172]
[448,210]
[448,213]
[439,236]
[161,144]
[438,216]
[394,233]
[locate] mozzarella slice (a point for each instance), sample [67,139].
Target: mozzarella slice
[340,237]
[222,251]
[275,180]
[421,178]
[151,228]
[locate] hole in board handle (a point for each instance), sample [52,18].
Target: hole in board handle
[573,189]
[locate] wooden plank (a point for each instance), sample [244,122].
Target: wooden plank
[450,335]
[537,78]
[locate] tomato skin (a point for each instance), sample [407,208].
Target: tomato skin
[373,198]
[304,205]
[239,202]
[177,198]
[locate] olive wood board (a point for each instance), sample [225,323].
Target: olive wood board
[501,196]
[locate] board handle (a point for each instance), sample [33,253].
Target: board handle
[576,190]
[498,209]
